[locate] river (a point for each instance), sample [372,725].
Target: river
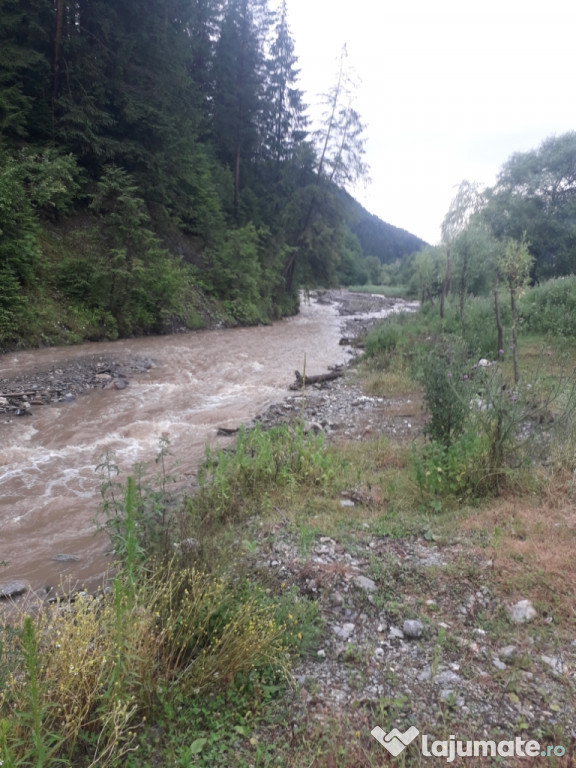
[199,381]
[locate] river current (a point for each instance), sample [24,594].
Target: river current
[198,382]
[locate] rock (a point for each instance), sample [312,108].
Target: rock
[522,612]
[499,664]
[345,631]
[365,583]
[13,589]
[346,503]
[555,664]
[413,628]
[483,363]
[120,384]
[337,598]
[396,633]
[64,558]
[446,678]
[508,652]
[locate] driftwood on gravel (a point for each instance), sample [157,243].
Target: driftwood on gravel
[305,381]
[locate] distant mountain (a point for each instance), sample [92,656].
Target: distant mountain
[377,238]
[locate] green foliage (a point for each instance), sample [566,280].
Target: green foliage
[482,430]
[234,483]
[134,278]
[53,181]
[383,338]
[238,276]
[175,142]
[441,372]
[535,197]
[550,308]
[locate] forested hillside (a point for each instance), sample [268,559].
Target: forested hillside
[157,164]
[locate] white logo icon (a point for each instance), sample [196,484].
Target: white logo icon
[395,741]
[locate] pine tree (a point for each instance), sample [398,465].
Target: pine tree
[239,80]
[286,120]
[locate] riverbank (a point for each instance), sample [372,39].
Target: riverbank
[455,620]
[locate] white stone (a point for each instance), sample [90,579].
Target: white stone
[365,583]
[521,612]
[345,631]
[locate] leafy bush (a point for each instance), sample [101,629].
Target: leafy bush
[551,307]
[383,338]
[482,429]
[442,374]
[284,456]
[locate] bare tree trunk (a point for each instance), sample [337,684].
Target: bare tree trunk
[57,46]
[445,284]
[514,333]
[497,313]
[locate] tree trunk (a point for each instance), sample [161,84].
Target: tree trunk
[304,381]
[445,284]
[497,314]
[57,46]
[514,332]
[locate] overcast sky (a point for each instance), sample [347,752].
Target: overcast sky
[449,90]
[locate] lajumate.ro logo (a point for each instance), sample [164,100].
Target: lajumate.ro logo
[396,742]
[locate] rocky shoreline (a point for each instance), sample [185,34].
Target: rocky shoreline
[65,382]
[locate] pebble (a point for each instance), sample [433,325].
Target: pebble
[365,583]
[555,664]
[413,629]
[345,631]
[508,652]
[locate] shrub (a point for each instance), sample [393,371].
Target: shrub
[442,374]
[551,307]
[282,457]
[383,338]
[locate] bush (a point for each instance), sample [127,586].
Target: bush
[442,374]
[235,480]
[551,307]
[383,338]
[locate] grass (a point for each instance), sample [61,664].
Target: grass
[392,291]
[186,660]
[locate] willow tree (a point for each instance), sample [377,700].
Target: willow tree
[467,202]
[515,263]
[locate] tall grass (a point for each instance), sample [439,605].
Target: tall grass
[234,483]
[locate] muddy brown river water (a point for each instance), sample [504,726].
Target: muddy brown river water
[199,381]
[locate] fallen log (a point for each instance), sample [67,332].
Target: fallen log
[305,381]
[226,432]
[30,393]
